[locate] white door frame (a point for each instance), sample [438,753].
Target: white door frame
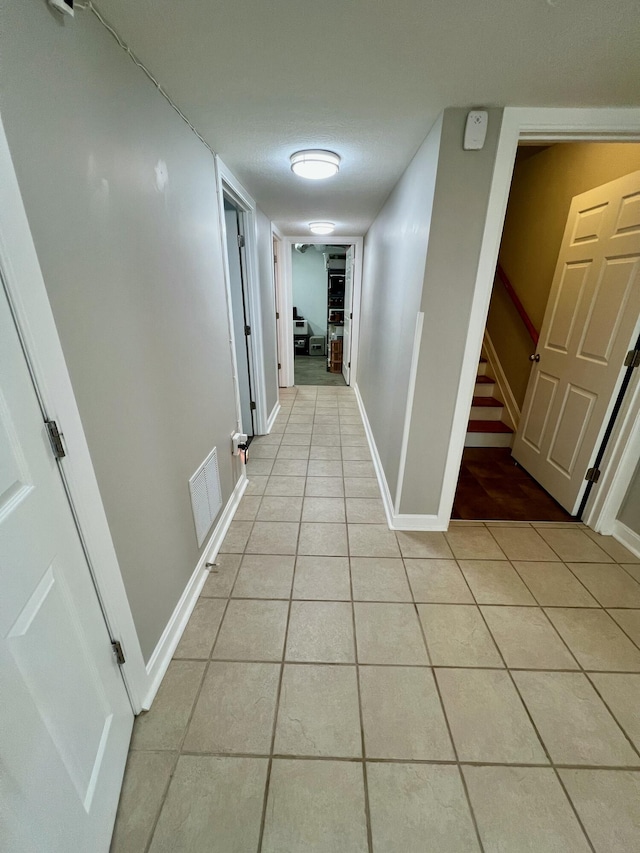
[541,125]
[36,326]
[281,337]
[286,299]
[229,185]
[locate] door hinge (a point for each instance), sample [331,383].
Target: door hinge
[275,259]
[247,330]
[55,437]
[351,316]
[592,475]
[241,241]
[116,645]
[349,365]
[277,315]
[279,366]
[253,406]
[632,359]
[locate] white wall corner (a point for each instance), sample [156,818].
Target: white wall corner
[627,537]
[163,652]
[272,417]
[505,394]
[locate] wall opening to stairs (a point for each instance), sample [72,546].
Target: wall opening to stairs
[492,485]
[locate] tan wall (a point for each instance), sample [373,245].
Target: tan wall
[541,192]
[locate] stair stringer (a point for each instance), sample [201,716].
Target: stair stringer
[503,392]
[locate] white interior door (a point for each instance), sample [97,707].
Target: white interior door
[348,315]
[589,325]
[66,717]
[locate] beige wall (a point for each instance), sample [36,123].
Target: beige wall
[133,269]
[541,193]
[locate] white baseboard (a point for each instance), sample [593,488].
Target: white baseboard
[163,652]
[511,408]
[272,417]
[627,537]
[396,521]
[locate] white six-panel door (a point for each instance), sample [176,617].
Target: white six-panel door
[590,323]
[65,715]
[348,309]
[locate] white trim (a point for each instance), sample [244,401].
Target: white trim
[163,652]
[272,417]
[36,325]
[395,521]
[413,373]
[505,394]
[287,354]
[627,537]
[229,185]
[285,343]
[527,123]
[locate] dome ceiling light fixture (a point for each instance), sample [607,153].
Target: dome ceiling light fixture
[315,164]
[322,227]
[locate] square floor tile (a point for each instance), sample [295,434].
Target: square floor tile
[323,509]
[353,441]
[264,576]
[523,809]
[495,582]
[325,487]
[237,536]
[202,627]
[315,806]
[145,782]
[527,639]
[318,713]
[323,539]
[573,545]
[354,468]
[252,631]
[248,508]
[629,621]
[417,544]
[285,486]
[236,709]
[322,578]
[211,797]
[572,720]
[389,634]
[293,438]
[473,543]
[379,579]
[419,807]
[632,569]
[365,511]
[273,537]
[438,581]
[595,640]
[402,714]
[163,725]
[608,803]
[256,484]
[553,585]
[610,584]
[289,468]
[326,453]
[361,487]
[613,548]
[260,467]
[372,540]
[263,451]
[523,543]
[325,468]
[321,631]
[487,718]
[457,636]
[359,454]
[280,509]
[221,576]
[622,694]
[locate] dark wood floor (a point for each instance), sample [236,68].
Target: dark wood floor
[493,487]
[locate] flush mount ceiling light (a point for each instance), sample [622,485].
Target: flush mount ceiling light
[315,164]
[322,227]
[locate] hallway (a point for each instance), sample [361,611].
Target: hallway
[344,688]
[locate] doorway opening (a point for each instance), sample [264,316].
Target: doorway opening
[564,312]
[234,220]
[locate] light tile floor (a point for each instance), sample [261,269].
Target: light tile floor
[343,688]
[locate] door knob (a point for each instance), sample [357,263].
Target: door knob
[534,357]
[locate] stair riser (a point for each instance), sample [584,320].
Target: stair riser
[483,389]
[482,368]
[486,413]
[488,439]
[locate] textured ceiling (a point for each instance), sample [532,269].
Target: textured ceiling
[367,78]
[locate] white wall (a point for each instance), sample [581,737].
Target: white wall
[310,288]
[395,251]
[133,267]
[268,308]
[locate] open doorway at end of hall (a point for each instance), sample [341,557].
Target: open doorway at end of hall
[564,312]
[322,289]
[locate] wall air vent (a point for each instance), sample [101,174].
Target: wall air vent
[206,495]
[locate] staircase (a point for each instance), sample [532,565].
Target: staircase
[486,427]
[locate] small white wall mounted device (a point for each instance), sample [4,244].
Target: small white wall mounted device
[475,131]
[239,445]
[65,6]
